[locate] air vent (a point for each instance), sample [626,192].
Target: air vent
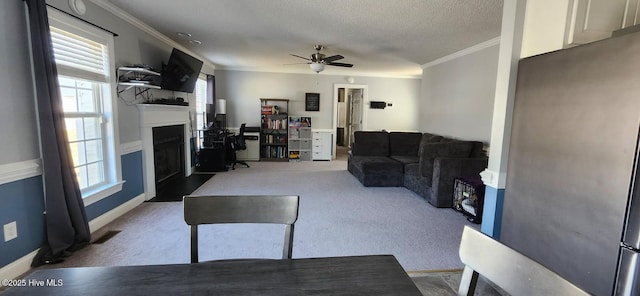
[105,237]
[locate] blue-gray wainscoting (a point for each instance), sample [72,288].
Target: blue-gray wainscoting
[492,215]
[23,201]
[134,186]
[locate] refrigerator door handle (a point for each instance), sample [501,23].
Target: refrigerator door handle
[628,277]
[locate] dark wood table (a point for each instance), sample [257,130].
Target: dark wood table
[359,275]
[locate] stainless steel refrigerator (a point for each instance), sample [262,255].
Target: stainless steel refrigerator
[628,273]
[571,164]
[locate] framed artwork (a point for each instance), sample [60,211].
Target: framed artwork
[312,102]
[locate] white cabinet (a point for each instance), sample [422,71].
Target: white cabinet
[322,145]
[592,20]
[299,138]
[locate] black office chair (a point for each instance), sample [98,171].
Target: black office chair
[238,144]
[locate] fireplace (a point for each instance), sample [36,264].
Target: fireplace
[168,155]
[175,155]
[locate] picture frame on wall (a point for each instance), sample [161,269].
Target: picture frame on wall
[312,102]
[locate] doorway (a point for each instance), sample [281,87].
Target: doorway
[349,114]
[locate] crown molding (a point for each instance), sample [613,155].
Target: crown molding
[464,52]
[108,6]
[323,73]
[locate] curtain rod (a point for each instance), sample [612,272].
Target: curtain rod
[88,22]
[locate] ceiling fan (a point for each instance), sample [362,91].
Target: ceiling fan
[319,60]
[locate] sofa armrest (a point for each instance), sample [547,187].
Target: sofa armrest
[429,152]
[445,170]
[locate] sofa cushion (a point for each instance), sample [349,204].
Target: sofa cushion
[376,164]
[368,143]
[430,138]
[404,144]
[430,151]
[405,159]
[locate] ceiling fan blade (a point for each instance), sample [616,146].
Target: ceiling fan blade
[303,63]
[333,58]
[297,56]
[341,65]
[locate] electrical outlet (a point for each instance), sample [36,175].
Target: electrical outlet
[10,231]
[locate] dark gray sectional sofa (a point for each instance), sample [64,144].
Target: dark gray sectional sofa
[426,164]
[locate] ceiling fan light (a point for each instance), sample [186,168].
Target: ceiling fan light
[316,67]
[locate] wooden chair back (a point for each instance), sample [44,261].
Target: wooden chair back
[272,209]
[510,270]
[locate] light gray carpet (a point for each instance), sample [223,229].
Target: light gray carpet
[338,217]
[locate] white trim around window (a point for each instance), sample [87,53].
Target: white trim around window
[111,150]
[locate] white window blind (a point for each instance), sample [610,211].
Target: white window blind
[79,57]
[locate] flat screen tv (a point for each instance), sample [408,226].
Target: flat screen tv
[181,72]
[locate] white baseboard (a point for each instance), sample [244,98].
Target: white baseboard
[16,268]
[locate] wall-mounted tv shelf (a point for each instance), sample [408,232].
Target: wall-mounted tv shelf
[138,78]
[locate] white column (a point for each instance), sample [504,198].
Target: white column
[509,55]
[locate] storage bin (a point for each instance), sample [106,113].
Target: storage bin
[468,197]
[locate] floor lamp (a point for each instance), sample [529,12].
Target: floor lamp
[221,113]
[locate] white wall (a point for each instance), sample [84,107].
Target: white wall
[458,95]
[243,90]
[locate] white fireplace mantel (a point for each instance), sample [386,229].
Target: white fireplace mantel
[153,115]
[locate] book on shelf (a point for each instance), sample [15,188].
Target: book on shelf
[299,121]
[267,110]
[275,152]
[294,121]
[274,139]
[278,124]
[305,121]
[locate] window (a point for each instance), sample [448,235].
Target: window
[201,106]
[83,118]
[84,59]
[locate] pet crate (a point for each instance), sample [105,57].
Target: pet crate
[468,197]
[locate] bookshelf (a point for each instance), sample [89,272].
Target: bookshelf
[300,141]
[274,130]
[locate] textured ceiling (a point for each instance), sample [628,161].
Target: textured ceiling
[380,37]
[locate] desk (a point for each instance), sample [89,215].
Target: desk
[216,152]
[360,275]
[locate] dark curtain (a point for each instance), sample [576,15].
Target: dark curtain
[67,228]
